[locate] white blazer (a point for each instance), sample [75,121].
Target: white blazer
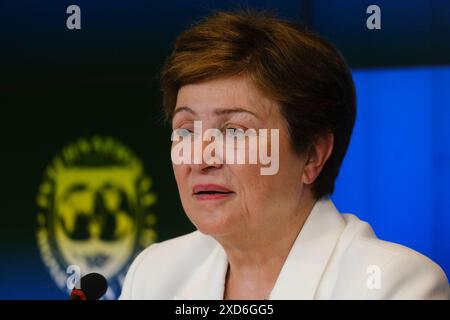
[334,257]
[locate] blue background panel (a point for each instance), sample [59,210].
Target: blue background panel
[396,174]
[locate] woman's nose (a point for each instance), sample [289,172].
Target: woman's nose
[210,156]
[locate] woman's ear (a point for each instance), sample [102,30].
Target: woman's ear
[317,156]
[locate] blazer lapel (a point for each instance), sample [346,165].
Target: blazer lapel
[207,282]
[306,262]
[302,271]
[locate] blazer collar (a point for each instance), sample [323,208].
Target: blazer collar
[300,274]
[207,282]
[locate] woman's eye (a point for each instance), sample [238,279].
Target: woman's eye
[182,132]
[233,131]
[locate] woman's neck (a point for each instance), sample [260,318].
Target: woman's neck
[256,260]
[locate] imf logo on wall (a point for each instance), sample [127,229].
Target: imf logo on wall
[94,211]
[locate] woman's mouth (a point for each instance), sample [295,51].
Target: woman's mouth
[211,192]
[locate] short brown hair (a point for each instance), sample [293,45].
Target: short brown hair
[301,71]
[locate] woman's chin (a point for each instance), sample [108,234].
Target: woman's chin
[214,226]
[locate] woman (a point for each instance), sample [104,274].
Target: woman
[275,236]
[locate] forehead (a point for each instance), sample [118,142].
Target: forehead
[235,92]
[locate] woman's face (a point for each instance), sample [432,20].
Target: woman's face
[246,202]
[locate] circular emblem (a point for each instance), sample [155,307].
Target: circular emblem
[94,211]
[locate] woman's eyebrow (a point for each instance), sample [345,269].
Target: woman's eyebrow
[227,111]
[219,111]
[181,109]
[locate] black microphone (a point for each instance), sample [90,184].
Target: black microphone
[92,287]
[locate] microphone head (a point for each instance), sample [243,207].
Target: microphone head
[93,287]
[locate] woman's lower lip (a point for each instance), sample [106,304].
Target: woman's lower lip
[213,196]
